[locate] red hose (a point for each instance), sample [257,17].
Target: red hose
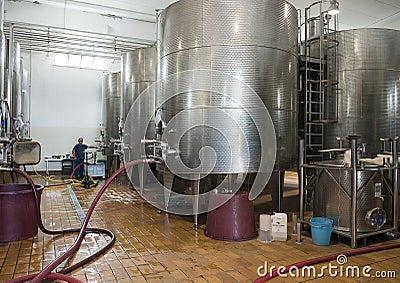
[65,231]
[325,259]
[50,276]
[47,271]
[76,167]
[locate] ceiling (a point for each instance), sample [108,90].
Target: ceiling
[353,13]
[363,13]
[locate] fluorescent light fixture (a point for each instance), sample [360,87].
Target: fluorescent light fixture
[333,8]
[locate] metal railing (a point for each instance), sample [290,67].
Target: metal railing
[32,37]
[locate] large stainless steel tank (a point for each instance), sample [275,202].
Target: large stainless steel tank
[332,196]
[139,71]
[111,99]
[368,72]
[254,41]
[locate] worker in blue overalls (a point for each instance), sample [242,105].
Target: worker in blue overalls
[78,152]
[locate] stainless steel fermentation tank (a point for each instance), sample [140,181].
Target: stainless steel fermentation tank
[365,102]
[253,41]
[367,67]
[139,71]
[332,198]
[15,100]
[360,195]
[111,99]
[16,77]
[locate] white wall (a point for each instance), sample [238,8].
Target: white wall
[65,104]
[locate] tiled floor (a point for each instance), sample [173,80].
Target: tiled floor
[160,247]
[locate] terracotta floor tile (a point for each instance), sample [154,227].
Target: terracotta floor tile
[153,247]
[7,269]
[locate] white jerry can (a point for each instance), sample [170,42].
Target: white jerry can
[279,226]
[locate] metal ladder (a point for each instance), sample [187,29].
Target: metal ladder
[320,87]
[318,91]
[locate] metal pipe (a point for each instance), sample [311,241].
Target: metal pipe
[321,42]
[84,45]
[110,53]
[32,36]
[72,32]
[44,38]
[38,40]
[196,190]
[301,178]
[354,161]
[55,51]
[299,24]
[395,184]
[281,177]
[121,121]
[108,11]
[307,54]
[1,14]
[9,99]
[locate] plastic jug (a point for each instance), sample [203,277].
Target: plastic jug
[279,226]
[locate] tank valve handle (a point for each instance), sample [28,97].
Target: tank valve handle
[376,217]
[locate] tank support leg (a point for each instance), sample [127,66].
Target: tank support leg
[276,184]
[143,170]
[301,179]
[168,183]
[354,162]
[395,184]
[196,192]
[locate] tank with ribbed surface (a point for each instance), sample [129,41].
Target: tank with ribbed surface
[254,42]
[368,72]
[111,99]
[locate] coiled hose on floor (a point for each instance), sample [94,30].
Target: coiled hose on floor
[47,272]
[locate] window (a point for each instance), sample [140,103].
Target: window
[80,61]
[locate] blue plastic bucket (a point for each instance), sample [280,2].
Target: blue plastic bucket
[321,229]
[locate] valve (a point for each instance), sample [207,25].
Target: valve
[376,218]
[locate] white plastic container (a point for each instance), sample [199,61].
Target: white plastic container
[279,227]
[265,222]
[265,228]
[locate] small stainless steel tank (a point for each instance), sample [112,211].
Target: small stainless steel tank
[16,80]
[111,99]
[332,196]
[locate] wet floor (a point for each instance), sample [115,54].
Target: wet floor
[160,247]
